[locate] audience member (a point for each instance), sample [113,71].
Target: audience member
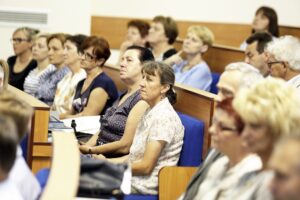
[162,34]
[22,63]
[8,144]
[47,88]
[285,163]
[66,88]
[255,51]
[284,59]
[137,33]
[97,92]
[226,171]
[193,71]
[38,74]
[265,20]
[4,75]
[119,123]
[21,113]
[268,111]
[159,135]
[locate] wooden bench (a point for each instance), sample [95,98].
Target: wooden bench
[39,150]
[65,169]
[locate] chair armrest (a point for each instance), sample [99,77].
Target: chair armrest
[173,181]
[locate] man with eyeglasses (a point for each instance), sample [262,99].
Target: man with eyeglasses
[255,51]
[284,59]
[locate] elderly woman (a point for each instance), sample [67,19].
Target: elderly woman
[269,110]
[284,59]
[22,63]
[194,71]
[159,135]
[97,91]
[226,171]
[40,54]
[48,84]
[162,34]
[119,123]
[265,20]
[4,74]
[65,90]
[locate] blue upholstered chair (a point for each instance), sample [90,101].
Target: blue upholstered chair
[42,177]
[215,80]
[191,153]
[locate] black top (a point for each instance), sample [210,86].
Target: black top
[169,53]
[17,79]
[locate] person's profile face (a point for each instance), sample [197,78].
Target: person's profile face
[260,22]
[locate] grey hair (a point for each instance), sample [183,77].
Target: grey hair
[250,75]
[287,49]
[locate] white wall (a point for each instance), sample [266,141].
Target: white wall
[231,11]
[70,16]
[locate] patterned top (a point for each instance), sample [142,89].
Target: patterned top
[220,179]
[33,80]
[17,79]
[65,91]
[198,76]
[101,81]
[159,123]
[48,85]
[114,121]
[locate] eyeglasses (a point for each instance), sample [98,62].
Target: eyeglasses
[274,62]
[18,40]
[87,56]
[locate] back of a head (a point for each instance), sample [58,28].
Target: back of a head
[144,53]
[18,110]
[8,144]
[271,102]
[4,74]
[170,27]
[262,39]
[203,33]
[271,14]
[141,25]
[286,49]
[166,75]
[250,75]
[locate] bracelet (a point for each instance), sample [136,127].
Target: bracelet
[90,150]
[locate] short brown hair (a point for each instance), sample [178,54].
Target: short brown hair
[20,111]
[60,36]
[100,45]
[170,27]
[141,25]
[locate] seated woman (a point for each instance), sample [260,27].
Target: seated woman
[137,33]
[97,92]
[40,54]
[193,71]
[22,63]
[48,84]
[269,110]
[119,123]
[226,171]
[4,75]
[65,90]
[265,20]
[162,34]
[159,135]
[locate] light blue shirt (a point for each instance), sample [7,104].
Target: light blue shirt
[198,76]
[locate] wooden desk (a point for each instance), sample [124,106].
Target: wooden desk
[39,149]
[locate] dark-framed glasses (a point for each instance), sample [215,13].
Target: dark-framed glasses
[87,56]
[270,64]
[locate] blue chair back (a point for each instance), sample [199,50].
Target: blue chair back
[191,153]
[24,146]
[215,80]
[42,177]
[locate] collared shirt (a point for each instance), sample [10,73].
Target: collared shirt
[199,76]
[23,178]
[65,91]
[159,123]
[221,179]
[33,80]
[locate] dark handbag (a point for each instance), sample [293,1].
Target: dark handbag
[100,178]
